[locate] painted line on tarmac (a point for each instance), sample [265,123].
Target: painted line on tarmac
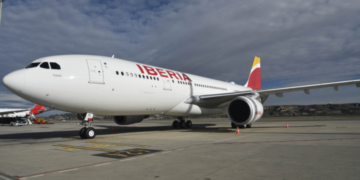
[85,148]
[69,170]
[128,159]
[289,141]
[2,177]
[124,159]
[40,175]
[6,177]
[118,144]
[150,155]
[102,164]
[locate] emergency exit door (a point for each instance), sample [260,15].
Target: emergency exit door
[96,73]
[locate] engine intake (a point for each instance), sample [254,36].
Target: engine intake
[125,120]
[244,110]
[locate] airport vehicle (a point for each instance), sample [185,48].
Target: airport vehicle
[19,122]
[14,121]
[31,112]
[129,91]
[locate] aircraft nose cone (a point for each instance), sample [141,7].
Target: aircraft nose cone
[14,81]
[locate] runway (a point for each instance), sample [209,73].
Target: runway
[319,149]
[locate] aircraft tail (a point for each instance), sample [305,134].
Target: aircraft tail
[38,109]
[254,81]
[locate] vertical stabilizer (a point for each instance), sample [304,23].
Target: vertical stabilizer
[254,81]
[38,109]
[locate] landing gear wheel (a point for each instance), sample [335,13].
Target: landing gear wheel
[182,124]
[233,125]
[242,126]
[188,124]
[176,124]
[248,126]
[90,133]
[82,133]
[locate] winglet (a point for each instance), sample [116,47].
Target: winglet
[254,81]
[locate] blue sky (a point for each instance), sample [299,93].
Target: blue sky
[300,42]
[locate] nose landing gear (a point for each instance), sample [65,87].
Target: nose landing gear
[87,132]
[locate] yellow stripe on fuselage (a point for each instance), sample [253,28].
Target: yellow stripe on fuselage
[256,61]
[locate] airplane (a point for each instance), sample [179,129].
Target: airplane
[35,110]
[130,91]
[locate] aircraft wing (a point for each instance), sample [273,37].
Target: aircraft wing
[216,100]
[306,88]
[8,111]
[219,100]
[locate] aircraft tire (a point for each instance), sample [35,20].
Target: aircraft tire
[82,133]
[182,124]
[188,124]
[176,124]
[248,126]
[90,133]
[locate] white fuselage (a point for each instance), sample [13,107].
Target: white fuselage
[95,84]
[14,114]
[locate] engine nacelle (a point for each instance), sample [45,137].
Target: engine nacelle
[125,120]
[244,110]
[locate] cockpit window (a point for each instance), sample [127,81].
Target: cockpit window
[54,65]
[45,65]
[32,65]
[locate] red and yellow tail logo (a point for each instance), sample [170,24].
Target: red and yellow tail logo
[254,81]
[38,109]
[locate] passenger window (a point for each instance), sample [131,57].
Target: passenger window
[150,77]
[127,74]
[135,75]
[144,76]
[117,72]
[147,77]
[122,73]
[139,76]
[131,74]
[45,65]
[32,65]
[55,66]
[158,79]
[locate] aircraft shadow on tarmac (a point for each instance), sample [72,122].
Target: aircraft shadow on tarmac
[113,130]
[107,130]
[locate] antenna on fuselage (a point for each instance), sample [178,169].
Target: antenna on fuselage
[113,56]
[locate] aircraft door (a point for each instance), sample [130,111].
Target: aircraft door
[167,84]
[96,72]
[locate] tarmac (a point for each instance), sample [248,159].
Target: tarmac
[318,149]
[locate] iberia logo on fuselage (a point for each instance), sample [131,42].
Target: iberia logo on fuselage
[162,73]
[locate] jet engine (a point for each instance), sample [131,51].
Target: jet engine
[244,110]
[125,120]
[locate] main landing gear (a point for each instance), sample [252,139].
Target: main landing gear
[87,132]
[233,125]
[182,123]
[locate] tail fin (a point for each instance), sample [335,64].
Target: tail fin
[254,81]
[37,109]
